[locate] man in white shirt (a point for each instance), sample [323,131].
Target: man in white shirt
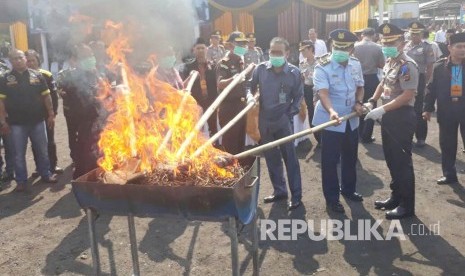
[320,45]
[441,34]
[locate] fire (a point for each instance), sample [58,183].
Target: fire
[142,111]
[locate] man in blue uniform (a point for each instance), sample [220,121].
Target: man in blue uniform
[281,89]
[397,91]
[338,79]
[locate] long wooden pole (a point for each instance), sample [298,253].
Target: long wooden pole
[211,109]
[289,138]
[179,111]
[226,127]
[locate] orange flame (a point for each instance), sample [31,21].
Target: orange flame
[143,110]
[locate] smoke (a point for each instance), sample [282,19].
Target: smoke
[151,24]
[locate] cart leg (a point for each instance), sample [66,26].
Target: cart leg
[255,245]
[234,246]
[133,241]
[93,241]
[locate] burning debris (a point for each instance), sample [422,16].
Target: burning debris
[153,130]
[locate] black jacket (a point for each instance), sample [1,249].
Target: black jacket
[439,89]
[210,77]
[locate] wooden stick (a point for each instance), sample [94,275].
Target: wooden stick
[124,89]
[289,138]
[226,127]
[179,111]
[211,109]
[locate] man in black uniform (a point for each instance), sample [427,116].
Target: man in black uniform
[80,88]
[25,108]
[233,140]
[447,88]
[204,90]
[397,91]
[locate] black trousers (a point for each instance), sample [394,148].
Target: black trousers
[365,128]
[397,129]
[422,126]
[86,148]
[233,140]
[308,97]
[448,136]
[72,123]
[52,149]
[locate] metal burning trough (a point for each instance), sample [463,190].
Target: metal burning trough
[203,203]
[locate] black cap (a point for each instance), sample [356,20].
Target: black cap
[251,37]
[304,44]
[450,31]
[343,38]
[200,41]
[416,27]
[237,37]
[368,32]
[457,38]
[216,33]
[390,32]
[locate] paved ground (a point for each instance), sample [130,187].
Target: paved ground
[45,233]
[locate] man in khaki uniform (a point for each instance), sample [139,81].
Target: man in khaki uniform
[422,53]
[397,91]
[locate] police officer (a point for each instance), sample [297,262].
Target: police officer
[80,87]
[447,88]
[281,93]
[307,67]
[371,58]
[233,140]
[422,53]
[397,90]
[338,79]
[215,51]
[254,54]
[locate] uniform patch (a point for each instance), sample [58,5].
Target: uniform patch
[224,66]
[11,80]
[420,50]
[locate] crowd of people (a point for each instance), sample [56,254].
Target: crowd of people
[385,75]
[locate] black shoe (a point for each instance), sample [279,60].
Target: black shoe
[369,140]
[420,144]
[444,180]
[35,174]
[354,197]
[336,207]
[57,170]
[387,204]
[399,213]
[274,198]
[293,205]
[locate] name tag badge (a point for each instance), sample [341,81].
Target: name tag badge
[456,90]
[348,102]
[282,98]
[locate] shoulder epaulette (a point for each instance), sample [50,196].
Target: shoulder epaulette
[45,72]
[353,58]
[324,59]
[441,60]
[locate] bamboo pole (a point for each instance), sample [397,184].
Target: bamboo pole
[226,127]
[211,109]
[289,138]
[179,111]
